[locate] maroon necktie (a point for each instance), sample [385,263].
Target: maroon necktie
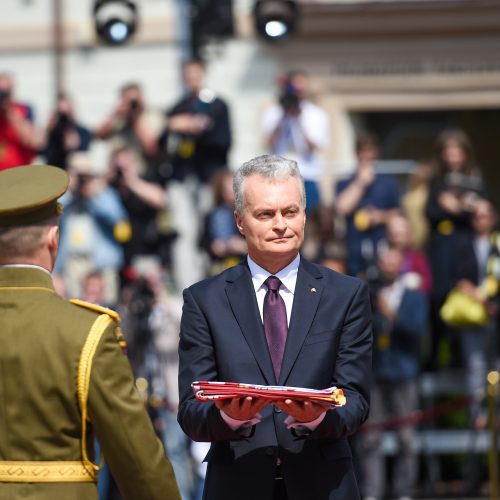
[275,322]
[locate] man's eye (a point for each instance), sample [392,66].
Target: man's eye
[264,215]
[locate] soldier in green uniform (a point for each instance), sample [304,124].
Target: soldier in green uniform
[64,377]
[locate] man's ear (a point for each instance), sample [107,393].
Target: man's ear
[53,240]
[239,225]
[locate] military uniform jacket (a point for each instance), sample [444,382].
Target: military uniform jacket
[41,339]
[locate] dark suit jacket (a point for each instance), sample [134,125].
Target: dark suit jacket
[210,147]
[329,343]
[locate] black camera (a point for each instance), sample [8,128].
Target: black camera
[134,105]
[4,99]
[63,119]
[118,177]
[289,99]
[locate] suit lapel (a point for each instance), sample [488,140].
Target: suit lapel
[241,296]
[308,291]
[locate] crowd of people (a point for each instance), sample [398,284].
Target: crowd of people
[159,216]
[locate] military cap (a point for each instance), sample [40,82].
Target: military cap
[29,194]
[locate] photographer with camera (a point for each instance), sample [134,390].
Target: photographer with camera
[195,143]
[298,129]
[133,125]
[366,200]
[19,141]
[93,227]
[144,198]
[64,135]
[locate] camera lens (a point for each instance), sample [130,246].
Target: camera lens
[63,117]
[4,97]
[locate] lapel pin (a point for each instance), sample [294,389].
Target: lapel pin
[313,290]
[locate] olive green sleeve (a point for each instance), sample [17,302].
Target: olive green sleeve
[132,450]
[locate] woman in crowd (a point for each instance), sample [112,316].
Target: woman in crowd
[454,191]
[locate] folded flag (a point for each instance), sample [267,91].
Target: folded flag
[210,390]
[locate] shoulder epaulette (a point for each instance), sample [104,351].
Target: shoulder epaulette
[96,308]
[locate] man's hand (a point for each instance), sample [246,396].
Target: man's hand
[376,216]
[121,109]
[129,172]
[189,123]
[241,408]
[385,308]
[302,411]
[365,175]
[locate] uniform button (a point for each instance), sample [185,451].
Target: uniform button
[269,451]
[277,410]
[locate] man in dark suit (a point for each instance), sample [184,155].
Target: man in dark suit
[290,450]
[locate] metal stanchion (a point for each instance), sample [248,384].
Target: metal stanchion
[493,378]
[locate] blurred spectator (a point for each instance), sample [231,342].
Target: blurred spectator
[366,200]
[151,322]
[321,242]
[455,188]
[197,134]
[145,200]
[334,262]
[414,202]
[19,141]
[399,318]
[300,130]
[94,288]
[222,239]
[415,261]
[132,124]
[199,450]
[476,272]
[195,141]
[64,134]
[92,220]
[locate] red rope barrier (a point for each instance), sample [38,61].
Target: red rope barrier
[419,415]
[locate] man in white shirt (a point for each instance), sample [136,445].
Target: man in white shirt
[300,130]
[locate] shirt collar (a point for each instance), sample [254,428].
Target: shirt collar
[287,275]
[26,266]
[25,276]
